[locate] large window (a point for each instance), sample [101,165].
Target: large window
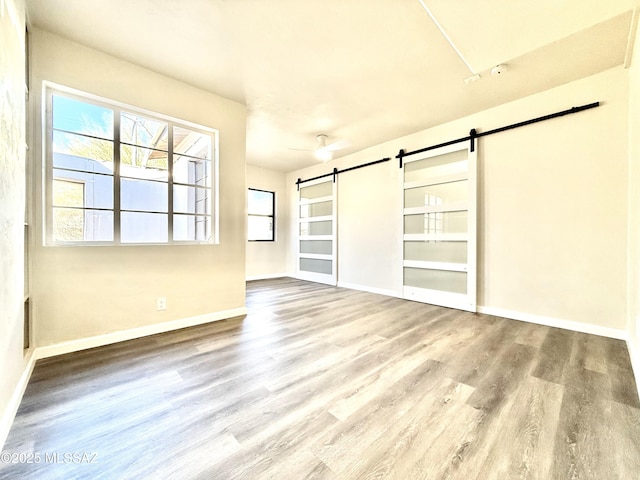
[117,175]
[261,222]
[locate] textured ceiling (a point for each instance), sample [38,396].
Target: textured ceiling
[359,71]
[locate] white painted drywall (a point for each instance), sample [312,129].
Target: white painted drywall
[552,206]
[633,318]
[81,292]
[269,259]
[12,202]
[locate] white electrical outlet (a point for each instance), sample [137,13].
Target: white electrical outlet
[161,303]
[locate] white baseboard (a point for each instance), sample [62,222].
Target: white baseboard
[632,344]
[619,334]
[268,276]
[130,334]
[366,288]
[634,354]
[10,411]
[84,343]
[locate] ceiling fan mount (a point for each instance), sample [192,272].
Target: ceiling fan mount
[323,150]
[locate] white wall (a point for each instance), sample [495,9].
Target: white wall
[269,259]
[633,325]
[12,214]
[369,227]
[552,207]
[80,292]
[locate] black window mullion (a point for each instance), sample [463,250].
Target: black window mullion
[81,134]
[72,170]
[273,216]
[136,178]
[128,144]
[116,177]
[170,181]
[193,156]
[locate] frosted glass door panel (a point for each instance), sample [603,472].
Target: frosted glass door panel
[321,209]
[316,228]
[445,252]
[323,247]
[442,165]
[315,265]
[439,222]
[439,226]
[316,191]
[316,252]
[434,195]
[443,280]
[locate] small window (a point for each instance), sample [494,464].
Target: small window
[261,208]
[118,176]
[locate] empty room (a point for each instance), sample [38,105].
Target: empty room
[339,239]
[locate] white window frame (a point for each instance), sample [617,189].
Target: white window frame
[50,89]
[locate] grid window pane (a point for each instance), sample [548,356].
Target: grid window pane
[68,194]
[260,203]
[78,152]
[191,200]
[82,189]
[191,228]
[81,225]
[137,227]
[192,143]
[77,116]
[142,131]
[143,162]
[191,171]
[260,228]
[68,224]
[143,195]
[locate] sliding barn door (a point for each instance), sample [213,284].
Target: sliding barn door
[439,216]
[317,231]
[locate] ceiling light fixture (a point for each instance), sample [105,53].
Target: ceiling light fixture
[322,152]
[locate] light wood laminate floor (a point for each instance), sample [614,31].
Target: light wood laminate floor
[329,383]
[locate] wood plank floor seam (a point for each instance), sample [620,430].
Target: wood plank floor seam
[319,382]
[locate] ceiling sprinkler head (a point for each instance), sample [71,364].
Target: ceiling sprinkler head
[498,70]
